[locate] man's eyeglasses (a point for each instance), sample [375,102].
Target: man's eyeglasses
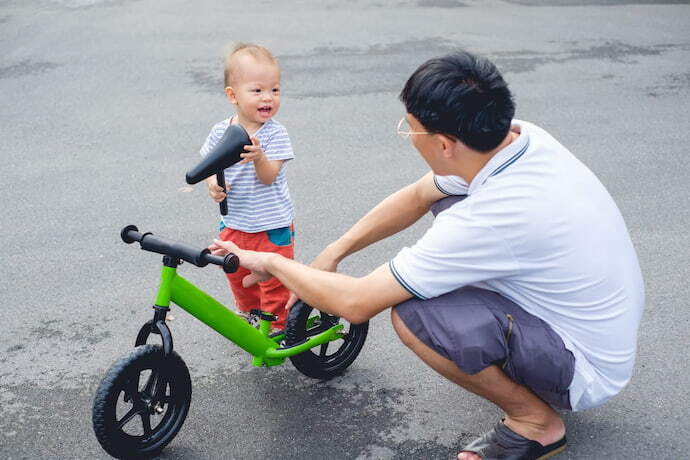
[405,131]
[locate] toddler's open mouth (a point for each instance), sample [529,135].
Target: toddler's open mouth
[265,110]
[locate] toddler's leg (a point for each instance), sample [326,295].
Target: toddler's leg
[245,298]
[274,295]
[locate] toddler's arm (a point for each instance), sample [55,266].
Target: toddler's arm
[266,170]
[216,191]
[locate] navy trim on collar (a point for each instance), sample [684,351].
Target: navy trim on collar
[502,159]
[510,161]
[438,186]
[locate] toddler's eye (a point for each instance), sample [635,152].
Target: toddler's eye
[256,90]
[276,90]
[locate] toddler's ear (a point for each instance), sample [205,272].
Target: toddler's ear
[230,93]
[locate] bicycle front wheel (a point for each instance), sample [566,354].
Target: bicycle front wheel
[141,403]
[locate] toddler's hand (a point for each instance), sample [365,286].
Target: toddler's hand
[216,191]
[253,152]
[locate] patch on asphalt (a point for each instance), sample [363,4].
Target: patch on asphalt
[82,4]
[25,68]
[613,51]
[440,4]
[351,415]
[597,2]
[384,68]
[671,84]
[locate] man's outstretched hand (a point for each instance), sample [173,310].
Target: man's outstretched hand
[255,262]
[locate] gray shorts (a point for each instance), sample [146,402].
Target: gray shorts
[476,328]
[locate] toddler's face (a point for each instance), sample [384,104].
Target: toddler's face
[255,91]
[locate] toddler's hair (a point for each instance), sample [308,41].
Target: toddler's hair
[257,51]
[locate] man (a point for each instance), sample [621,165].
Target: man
[526,289]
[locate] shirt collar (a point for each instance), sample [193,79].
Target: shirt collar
[503,158]
[232,120]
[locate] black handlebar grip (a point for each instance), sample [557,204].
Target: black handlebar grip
[220,178]
[230,262]
[130,234]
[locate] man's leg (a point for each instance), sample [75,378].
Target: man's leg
[526,414]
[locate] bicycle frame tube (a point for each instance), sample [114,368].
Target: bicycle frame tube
[175,288]
[211,312]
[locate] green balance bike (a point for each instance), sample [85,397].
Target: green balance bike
[143,400]
[144,397]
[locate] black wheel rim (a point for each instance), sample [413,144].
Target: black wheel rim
[333,354]
[147,408]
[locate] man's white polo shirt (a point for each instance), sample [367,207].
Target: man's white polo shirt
[540,229]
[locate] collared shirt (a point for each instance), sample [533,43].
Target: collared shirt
[540,229]
[253,206]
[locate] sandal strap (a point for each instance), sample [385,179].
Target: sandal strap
[503,443]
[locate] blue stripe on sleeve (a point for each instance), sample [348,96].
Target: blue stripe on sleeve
[403,283]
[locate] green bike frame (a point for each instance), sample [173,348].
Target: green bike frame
[265,349]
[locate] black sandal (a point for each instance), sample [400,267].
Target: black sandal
[503,443]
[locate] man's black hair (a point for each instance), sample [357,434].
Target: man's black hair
[461,95]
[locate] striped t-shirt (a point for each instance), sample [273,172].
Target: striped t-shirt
[253,206]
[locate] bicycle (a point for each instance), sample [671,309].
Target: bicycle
[152,384]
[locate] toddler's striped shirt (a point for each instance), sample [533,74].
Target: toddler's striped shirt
[253,206]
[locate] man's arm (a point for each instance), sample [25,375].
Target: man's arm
[355,299]
[392,215]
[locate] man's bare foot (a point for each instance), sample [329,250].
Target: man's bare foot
[545,433]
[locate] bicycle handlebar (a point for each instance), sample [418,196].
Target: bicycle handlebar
[199,257]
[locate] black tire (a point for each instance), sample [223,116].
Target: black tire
[323,364]
[158,404]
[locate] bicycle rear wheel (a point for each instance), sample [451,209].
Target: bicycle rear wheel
[332,358]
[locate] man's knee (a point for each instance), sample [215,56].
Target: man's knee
[456,325]
[406,336]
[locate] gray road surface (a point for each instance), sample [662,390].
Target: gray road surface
[105,103]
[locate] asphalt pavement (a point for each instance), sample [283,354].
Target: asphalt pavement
[104,105]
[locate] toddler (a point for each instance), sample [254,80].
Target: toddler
[260,211]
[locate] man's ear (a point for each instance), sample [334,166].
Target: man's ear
[230,94]
[447,145]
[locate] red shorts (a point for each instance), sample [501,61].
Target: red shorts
[270,295]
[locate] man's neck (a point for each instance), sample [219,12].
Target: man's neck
[472,161]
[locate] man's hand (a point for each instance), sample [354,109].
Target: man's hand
[253,152]
[326,261]
[216,191]
[255,262]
